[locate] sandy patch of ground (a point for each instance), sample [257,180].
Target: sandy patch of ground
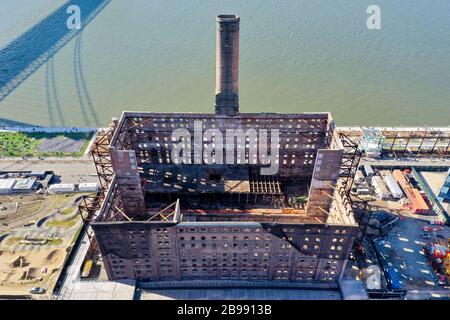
[61,144]
[22,270]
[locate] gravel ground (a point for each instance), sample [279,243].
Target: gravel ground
[61,144]
[70,171]
[403,250]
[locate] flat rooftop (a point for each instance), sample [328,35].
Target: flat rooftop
[238,294]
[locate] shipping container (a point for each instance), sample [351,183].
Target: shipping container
[417,203]
[62,187]
[401,179]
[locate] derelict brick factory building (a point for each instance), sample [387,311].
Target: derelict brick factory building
[160,221]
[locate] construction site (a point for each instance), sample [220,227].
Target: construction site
[419,142]
[158,221]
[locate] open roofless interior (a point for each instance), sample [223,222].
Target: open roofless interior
[141,153]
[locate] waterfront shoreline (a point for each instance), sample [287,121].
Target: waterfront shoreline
[55,140]
[37,129]
[41,129]
[350,131]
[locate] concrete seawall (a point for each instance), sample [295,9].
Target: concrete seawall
[38,129]
[78,129]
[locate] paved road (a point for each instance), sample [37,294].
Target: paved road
[428,294]
[70,170]
[238,294]
[403,250]
[399,129]
[409,162]
[72,275]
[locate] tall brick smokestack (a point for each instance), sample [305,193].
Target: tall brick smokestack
[227,65]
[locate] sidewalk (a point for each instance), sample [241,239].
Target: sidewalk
[39,129]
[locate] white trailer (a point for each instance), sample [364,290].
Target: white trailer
[62,188]
[369,171]
[380,187]
[393,186]
[362,191]
[88,187]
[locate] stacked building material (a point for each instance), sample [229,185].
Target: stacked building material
[417,204]
[380,187]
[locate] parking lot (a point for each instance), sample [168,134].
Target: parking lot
[402,249]
[69,171]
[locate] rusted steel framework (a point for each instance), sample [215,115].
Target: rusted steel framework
[86,209]
[264,184]
[91,203]
[105,172]
[350,162]
[167,214]
[112,207]
[417,142]
[434,141]
[363,212]
[413,141]
[101,157]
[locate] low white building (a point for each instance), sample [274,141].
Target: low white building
[17,185]
[380,187]
[6,185]
[24,185]
[61,187]
[88,187]
[372,143]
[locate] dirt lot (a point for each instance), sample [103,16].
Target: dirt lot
[61,144]
[21,271]
[36,233]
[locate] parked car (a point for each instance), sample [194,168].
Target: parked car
[437,222]
[432,229]
[426,236]
[37,290]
